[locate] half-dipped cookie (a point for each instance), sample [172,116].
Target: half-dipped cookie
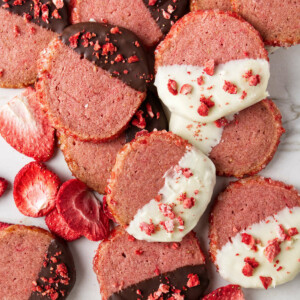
[150,20]
[92,80]
[210,65]
[159,187]
[238,146]
[254,233]
[92,162]
[34,264]
[130,269]
[27,27]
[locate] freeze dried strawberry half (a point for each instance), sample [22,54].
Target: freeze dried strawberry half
[59,227]
[82,211]
[26,128]
[35,190]
[3,186]
[228,292]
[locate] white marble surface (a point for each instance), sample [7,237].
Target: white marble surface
[284,88]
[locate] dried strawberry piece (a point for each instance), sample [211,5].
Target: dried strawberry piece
[26,127]
[244,95]
[58,3]
[55,14]
[168,225]
[97,46]
[172,87]
[35,190]
[186,89]
[188,203]
[82,211]
[200,80]
[209,67]
[166,210]
[45,13]
[203,110]
[59,227]
[108,48]
[248,239]
[17,30]
[115,30]
[254,80]
[247,270]
[248,74]
[74,40]
[252,262]
[266,281]
[221,122]
[149,110]
[3,186]
[207,101]
[282,234]
[233,292]
[139,121]
[149,229]
[193,280]
[272,250]
[291,231]
[229,87]
[133,59]
[119,58]
[166,15]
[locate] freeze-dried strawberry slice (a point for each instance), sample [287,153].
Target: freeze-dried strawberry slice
[3,185]
[228,292]
[82,211]
[58,226]
[26,128]
[35,190]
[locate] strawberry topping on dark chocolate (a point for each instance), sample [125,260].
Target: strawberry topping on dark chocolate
[49,14]
[114,49]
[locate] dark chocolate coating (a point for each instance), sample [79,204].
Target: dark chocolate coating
[136,74]
[161,14]
[59,250]
[159,121]
[27,7]
[176,279]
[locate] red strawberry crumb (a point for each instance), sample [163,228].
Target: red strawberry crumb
[207,101]
[293,231]
[229,87]
[248,74]
[17,30]
[1,72]
[139,292]
[168,225]
[3,186]
[131,238]
[266,281]
[108,48]
[175,246]
[254,80]
[55,14]
[59,3]
[164,288]
[244,95]
[149,110]
[272,250]
[166,15]
[149,229]
[221,122]
[187,173]
[27,17]
[166,210]
[97,47]
[74,40]
[119,58]
[252,262]
[188,203]
[209,67]
[172,87]
[133,59]
[282,234]
[200,80]
[247,270]
[248,239]
[186,89]
[203,110]
[157,198]
[279,269]
[157,271]
[152,2]
[139,252]
[115,30]
[193,280]
[45,13]
[139,121]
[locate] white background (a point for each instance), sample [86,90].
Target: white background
[284,88]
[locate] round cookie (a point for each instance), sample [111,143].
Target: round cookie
[93,80]
[25,32]
[130,269]
[276,20]
[92,162]
[150,20]
[240,146]
[254,233]
[159,187]
[225,66]
[210,4]
[34,264]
